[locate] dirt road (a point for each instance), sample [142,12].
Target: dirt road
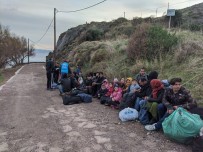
[33,119]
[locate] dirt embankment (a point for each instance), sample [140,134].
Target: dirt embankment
[7,73]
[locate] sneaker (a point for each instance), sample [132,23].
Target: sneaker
[150,127]
[106,104]
[201,132]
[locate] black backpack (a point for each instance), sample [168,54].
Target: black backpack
[69,100]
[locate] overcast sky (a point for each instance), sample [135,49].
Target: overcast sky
[31,18]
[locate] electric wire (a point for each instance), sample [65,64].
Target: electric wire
[82,8]
[45,32]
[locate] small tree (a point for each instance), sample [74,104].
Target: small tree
[159,41]
[94,34]
[148,42]
[137,46]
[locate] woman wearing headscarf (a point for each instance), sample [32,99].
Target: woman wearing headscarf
[155,99]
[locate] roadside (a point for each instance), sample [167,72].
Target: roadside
[6,74]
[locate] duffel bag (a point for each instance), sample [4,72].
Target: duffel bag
[69,100]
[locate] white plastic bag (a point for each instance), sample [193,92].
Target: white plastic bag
[128,114]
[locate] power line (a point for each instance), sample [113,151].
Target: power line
[83,8]
[45,32]
[39,45]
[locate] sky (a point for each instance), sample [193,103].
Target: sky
[32,18]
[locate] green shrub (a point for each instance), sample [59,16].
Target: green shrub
[137,46]
[94,34]
[99,56]
[118,21]
[149,42]
[159,41]
[194,27]
[136,21]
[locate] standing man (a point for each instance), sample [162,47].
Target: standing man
[56,72]
[65,69]
[49,69]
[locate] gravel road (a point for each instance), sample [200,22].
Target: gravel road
[33,119]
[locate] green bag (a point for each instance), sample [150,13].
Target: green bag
[182,126]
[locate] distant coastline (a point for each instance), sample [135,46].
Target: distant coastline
[40,56]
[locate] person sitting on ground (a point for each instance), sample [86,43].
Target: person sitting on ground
[102,91]
[115,97]
[127,84]
[174,97]
[67,84]
[134,87]
[144,92]
[106,97]
[106,83]
[97,84]
[154,99]
[88,83]
[122,83]
[153,75]
[81,81]
[141,74]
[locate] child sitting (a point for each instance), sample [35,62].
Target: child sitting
[134,87]
[115,97]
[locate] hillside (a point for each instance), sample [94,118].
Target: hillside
[101,46]
[193,14]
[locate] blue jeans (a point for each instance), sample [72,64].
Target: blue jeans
[60,89]
[159,123]
[142,103]
[137,105]
[161,110]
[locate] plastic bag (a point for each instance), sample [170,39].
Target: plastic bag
[128,114]
[182,126]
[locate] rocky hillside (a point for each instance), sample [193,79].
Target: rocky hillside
[101,46]
[193,14]
[117,28]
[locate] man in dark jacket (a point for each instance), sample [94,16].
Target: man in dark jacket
[67,84]
[174,97]
[49,69]
[133,101]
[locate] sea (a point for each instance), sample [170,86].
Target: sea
[40,56]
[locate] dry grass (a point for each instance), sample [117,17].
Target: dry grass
[117,64]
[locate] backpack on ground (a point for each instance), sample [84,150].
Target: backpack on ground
[182,126]
[69,100]
[104,99]
[86,98]
[143,116]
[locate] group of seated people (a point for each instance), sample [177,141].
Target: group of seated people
[159,97]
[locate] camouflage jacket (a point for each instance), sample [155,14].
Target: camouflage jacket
[181,99]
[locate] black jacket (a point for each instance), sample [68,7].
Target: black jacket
[146,90]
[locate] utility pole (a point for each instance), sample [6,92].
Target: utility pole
[28,51]
[156,12]
[54,55]
[169,23]
[124,14]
